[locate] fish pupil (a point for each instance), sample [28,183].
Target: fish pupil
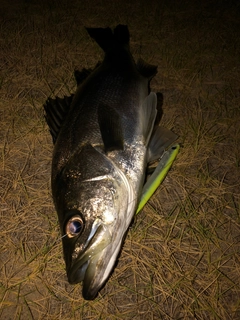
[75,227]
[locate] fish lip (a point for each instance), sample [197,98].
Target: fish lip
[90,292]
[84,266]
[81,273]
[89,295]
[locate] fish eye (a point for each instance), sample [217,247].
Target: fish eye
[74,226]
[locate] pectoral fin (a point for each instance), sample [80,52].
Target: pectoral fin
[160,140]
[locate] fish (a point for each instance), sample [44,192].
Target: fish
[104,137]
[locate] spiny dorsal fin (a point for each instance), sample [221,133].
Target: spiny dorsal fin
[56,111]
[110,128]
[106,39]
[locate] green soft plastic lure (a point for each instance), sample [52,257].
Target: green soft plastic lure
[158,175]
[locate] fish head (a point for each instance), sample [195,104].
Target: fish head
[95,208]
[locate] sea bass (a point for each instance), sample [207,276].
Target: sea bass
[104,137]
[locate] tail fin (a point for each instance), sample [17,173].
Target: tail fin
[106,39]
[121,34]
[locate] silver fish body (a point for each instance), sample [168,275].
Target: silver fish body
[104,138]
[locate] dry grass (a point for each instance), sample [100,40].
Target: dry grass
[181,256]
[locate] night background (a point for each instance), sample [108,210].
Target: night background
[180,259]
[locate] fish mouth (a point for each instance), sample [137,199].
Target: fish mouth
[87,267]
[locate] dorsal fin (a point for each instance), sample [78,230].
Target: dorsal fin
[56,111]
[106,39]
[81,76]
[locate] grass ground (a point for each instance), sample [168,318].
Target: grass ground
[181,258]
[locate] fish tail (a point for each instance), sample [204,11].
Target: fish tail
[106,38]
[121,34]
